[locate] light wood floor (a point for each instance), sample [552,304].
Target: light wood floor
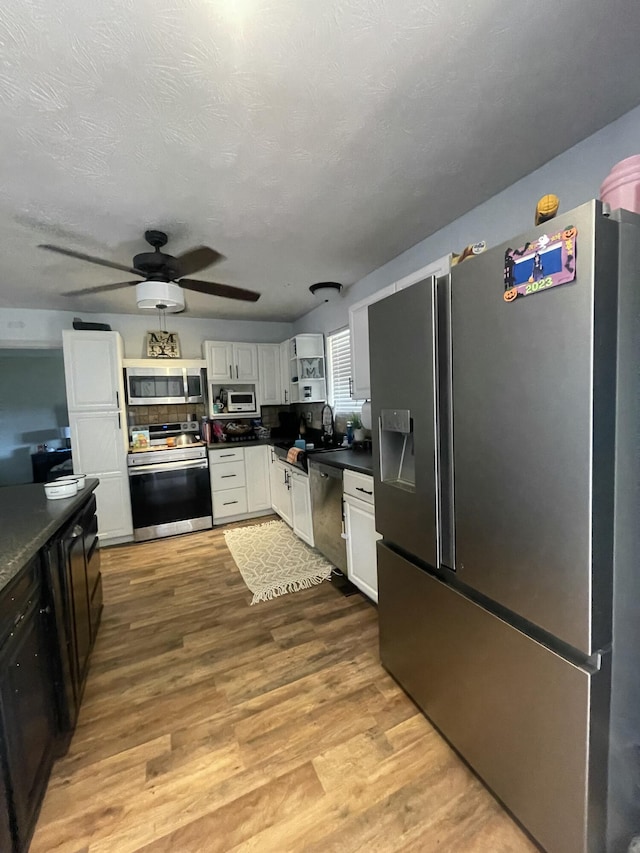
[209,725]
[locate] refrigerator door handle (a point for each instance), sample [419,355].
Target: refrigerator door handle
[444,422]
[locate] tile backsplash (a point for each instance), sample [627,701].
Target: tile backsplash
[142,415]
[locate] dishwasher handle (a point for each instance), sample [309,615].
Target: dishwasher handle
[159,467]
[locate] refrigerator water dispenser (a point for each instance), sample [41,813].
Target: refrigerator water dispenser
[397,458]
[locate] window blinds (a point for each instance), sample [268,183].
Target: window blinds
[339,349]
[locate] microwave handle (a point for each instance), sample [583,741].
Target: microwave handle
[185,384]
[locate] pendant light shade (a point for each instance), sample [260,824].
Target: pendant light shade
[160,294]
[326,291]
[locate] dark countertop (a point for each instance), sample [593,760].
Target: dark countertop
[226,445]
[29,520]
[354,460]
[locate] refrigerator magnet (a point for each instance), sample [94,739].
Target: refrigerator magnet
[546,262]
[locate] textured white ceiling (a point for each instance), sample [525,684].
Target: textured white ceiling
[304,139]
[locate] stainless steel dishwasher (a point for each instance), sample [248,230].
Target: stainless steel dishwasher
[326,512]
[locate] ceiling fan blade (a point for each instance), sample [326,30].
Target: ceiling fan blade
[82,257]
[197,259]
[101,288]
[213,289]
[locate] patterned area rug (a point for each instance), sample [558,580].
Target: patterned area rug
[273,561]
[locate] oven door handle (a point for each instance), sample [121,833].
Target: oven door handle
[167,466]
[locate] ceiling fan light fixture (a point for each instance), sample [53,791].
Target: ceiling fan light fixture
[162,295]
[326,291]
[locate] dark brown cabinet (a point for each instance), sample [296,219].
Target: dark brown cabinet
[27,718]
[49,615]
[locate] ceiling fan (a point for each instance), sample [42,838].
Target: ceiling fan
[163,275]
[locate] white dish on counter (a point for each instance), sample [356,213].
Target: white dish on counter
[57,490]
[79,478]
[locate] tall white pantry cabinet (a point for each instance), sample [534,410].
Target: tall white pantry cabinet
[98,425]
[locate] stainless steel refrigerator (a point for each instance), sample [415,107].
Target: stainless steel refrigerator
[506,410]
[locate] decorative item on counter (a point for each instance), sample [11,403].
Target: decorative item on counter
[469,252]
[349,433]
[621,187]
[218,431]
[140,439]
[77,478]
[546,208]
[259,429]
[58,490]
[206,433]
[358,431]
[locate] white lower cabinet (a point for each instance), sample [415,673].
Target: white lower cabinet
[360,531]
[280,478]
[239,482]
[113,502]
[228,503]
[98,445]
[257,477]
[301,506]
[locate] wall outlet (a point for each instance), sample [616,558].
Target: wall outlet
[308,417]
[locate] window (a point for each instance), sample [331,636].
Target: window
[339,374]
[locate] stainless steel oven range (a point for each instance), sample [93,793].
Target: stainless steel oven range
[169,485]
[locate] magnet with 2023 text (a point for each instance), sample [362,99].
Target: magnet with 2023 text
[548,261]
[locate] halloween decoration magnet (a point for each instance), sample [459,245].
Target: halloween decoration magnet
[546,262]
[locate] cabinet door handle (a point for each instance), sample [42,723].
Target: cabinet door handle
[44,610]
[237,377]
[230,372]
[286,394]
[228,503]
[119,422]
[224,455]
[366,491]
[226,476]
[77,531]
[117,399]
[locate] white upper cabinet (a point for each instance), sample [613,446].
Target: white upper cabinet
[245,362]
[359,334]
[219,358]
[231,362]
[307,369]
[93,372]
[359,324]
[284,373]
[270,375]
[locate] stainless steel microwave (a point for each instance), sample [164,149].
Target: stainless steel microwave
[149,386]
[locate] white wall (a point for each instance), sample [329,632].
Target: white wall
[574,176]
[20,327]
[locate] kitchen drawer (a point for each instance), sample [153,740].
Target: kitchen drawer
[226,455]
[228,503]
[231,475]
[358,485]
